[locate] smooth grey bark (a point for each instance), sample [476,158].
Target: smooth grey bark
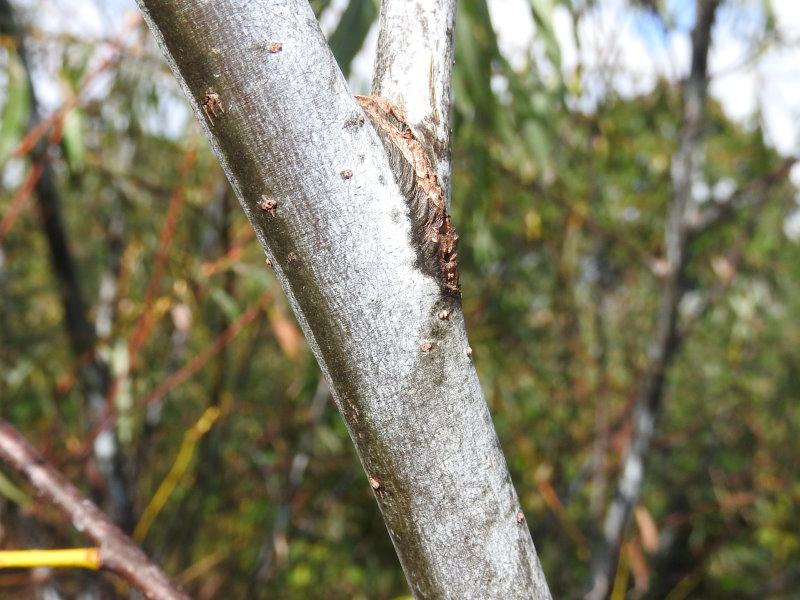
[667,340]
[341,230]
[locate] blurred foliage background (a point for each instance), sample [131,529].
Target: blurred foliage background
[226,455]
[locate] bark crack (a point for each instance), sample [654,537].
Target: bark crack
[433,234]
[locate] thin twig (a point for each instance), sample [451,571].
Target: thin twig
[118,553]
[195,364]
[275,539]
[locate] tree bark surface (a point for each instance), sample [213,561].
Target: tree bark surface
[342,230]
[413,69]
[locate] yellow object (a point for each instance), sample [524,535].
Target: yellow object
[176,472]
[533,225]
[83,558]
[620,590]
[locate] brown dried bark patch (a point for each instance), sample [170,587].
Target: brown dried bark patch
[434,235]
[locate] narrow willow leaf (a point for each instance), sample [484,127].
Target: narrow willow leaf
[542,12]
[15,110]
[349,36]
[224,300]
[72,140]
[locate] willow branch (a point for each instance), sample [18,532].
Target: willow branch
[118,553]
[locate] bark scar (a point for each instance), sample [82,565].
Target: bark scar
[434,235]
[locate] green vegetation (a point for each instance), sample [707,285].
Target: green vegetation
[561,216]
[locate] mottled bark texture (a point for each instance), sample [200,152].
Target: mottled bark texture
[317,184]
[667,340]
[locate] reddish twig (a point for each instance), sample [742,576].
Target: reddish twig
[191,367]
[212,267]
[118,553]
[28,143]
[145,321]
[143,325]
[20,200]
[196,363]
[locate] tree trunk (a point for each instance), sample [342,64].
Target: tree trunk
[352,217]
[667,340]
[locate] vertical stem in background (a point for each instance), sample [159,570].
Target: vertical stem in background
[600,391]
[274,548]
[93,372]
[210,479]
[667,340]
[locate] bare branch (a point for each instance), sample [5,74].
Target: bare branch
[413,70]
[667,340]
[118,553]
[752,194]
[342,230]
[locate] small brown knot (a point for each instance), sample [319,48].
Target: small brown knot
[346,174]
[212,106]
[426,346]
[274,47]
[268,204]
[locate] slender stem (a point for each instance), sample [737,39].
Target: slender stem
[667,340]
[118,553]
[275,540]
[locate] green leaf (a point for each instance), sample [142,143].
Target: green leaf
[542,12]
[15,110]
[225,302]
[351,31]
[12,492]
[72,140]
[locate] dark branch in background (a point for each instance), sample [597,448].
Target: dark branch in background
[753,197]
[667,339]
[275,540]
[209,477]
[93,372]
[118,553]
[718,214]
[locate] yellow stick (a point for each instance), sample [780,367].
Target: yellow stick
[620,589]
[84,558]
[176,472]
